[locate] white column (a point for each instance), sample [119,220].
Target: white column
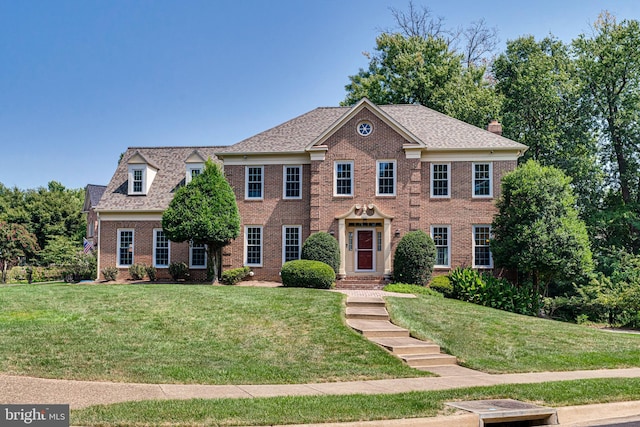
[387,247]
[342,242]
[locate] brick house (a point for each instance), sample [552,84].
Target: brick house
[92,195]
[367,174]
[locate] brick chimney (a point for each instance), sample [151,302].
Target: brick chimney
[495,127]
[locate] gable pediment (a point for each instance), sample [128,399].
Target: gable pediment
[195,157]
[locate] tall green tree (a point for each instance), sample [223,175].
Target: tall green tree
[204,212]
[537,231]
[608,64]
[15,242]
[542,108]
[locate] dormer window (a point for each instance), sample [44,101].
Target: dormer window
[193,170]
[140,175]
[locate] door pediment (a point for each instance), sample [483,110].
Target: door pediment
[364,211]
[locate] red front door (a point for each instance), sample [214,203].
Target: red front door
[365,250]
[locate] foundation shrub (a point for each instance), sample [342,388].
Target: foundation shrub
[178,270]
[137,271]
[307,274]
[443,285]
[152,273]
[414,258]
[322,247]
[110,273]
[234,276]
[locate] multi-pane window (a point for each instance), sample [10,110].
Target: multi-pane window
[379,241]
[344,178]
[386,178]
[292,182]
[254,182]
[481,251]
[125,247]
[160,249]
[197,255]
[137,180]
[440,235]
[291,242]
[482,180]
[440,180]
[253,243]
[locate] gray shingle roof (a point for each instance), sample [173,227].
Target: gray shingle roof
[171,165]
[92,195]
[437,131]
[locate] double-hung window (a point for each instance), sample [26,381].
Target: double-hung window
[441,238]
[343,178]
[481,251]
[160,248]
[292,178]
[482,185]
[254,188]
[440,180]
[125,248]
[197,255]
[386,172]
[192,172]
[253,245]
[291,242]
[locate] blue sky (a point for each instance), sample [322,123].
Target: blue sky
[80,81]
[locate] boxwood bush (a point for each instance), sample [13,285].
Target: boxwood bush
[178,270]
[414,258]
[443,285]
[110,273]
[307,274]
[322,247]
[235,275]
[137,271]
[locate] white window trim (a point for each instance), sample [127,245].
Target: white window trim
[434,196]
[133,246]
[395,174]
[473,180]
[155,247]
[284,182]
[246,182]
[197,267]
[190,168]
[284,240]
[335,177]
[448,227]
[246,245]
[473,247]
[143,169]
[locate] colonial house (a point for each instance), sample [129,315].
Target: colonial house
[367,174]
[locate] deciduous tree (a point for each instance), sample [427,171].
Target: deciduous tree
[15,242]
[204,212]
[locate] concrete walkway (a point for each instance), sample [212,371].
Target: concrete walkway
[79,394]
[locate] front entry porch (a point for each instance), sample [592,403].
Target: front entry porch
[364,237]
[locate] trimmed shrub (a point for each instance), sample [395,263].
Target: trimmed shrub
[178,270]
[137,271]
[405,288]
[152,272]
[110,273]
[443,285]
[322,247]
[81,267]
[235,275]
[414,258]
[307,274]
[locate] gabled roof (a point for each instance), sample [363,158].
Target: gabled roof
[418,124]
[92,195]
[170,163]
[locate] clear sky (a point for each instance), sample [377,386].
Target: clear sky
[82,80]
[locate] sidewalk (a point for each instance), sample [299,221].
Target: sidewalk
[80,394]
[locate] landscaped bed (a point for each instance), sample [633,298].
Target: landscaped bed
[184,334]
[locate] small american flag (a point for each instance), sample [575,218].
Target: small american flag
[88,246]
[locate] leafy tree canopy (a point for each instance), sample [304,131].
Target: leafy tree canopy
[15,242]
[204,212]
[537,230]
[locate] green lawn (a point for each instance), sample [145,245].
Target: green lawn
[497,341]
[324,409]
[184,334]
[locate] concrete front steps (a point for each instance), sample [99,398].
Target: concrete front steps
[369,316]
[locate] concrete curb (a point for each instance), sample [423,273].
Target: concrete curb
[571,415]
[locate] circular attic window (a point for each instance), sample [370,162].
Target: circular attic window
[365,128]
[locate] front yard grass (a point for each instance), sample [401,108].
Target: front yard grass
[325,409]
[184,334]
[499,342]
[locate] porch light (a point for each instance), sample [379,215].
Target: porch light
[397,233]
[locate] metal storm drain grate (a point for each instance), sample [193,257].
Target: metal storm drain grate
[508,412]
